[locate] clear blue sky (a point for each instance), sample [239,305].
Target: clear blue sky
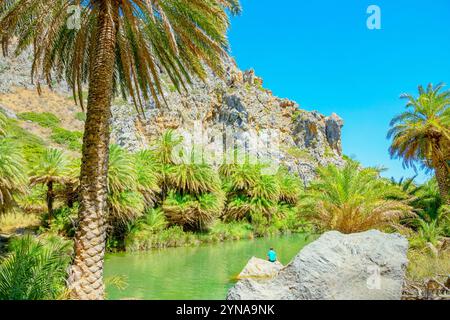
[321,54]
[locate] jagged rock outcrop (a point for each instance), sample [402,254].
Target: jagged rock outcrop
[231,112]
[259,268]
[369,265]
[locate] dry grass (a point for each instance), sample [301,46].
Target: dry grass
[424,264]
[24,100]
[10,222]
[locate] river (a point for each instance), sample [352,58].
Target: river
[203,272]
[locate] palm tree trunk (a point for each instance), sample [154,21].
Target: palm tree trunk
[50,198]
[442,176]
[86,273]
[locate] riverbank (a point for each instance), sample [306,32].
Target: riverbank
[148,239]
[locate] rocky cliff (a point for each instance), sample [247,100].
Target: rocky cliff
[231,111]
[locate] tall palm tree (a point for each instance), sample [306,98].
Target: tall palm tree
[50,168]
[120,44]
[422,134]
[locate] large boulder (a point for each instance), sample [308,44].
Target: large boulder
[259,268]
[369,266]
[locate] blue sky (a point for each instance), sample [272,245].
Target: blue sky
[322,55]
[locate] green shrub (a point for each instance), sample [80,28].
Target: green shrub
[231,231]
[71,139]
[30,144]
[44,119]
[296,115]
[63,222]
[154,220]
[301,154]
[144,239]
[80,116]
[35,268]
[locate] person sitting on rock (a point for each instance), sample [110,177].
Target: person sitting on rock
[272,255]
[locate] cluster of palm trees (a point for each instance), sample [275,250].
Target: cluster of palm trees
[191,194]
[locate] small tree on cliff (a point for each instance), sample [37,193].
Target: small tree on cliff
[120,44]
[422,134]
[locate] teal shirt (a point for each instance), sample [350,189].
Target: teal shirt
[272,256]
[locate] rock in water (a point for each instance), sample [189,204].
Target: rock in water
[259,268]
[362,266]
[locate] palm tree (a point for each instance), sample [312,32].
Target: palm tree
[13,178]
[148,176]
[166,157]
[428,201]
[422,134]
[195,197]
[265,195]
[124,200]
[352,199]
[50,168]
[252,194]
[238,180]
[165,147]
[120,44]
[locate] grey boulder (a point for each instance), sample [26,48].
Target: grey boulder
[362,266]
[259,268]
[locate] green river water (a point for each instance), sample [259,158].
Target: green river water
[203,272]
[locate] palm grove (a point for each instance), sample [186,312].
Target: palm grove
[147,199]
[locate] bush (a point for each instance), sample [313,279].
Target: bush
[141,240]
[221,231]
[35,269]
[154,220]
[80,116]
[29,144]
[44,119]
[71,139]
[64,221]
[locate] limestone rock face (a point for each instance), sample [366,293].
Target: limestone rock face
[369,265]
[231,111]
[259,268]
